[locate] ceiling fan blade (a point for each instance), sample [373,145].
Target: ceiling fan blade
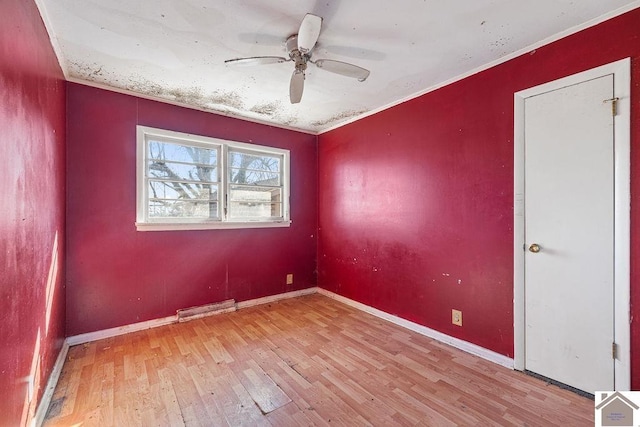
[343,68]
[296,86]
[309,32]
[256,60]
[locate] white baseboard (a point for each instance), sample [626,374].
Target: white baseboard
[274,298]
[141,326]
[423,330]
[120,330]
[415,327]
[47,396]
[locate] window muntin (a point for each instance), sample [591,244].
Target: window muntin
[194,182]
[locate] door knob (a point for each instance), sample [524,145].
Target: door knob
[535,248]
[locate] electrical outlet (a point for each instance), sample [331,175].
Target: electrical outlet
[289,279]
[456,317]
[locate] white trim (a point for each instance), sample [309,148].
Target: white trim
[222,147]
[274,298]
[156,226]
[120,330]
[622,81]
[518,235]
[52,382]
[466,346]
[420,329]
[149,324]
[502,60]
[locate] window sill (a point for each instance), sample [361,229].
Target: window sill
[156,226]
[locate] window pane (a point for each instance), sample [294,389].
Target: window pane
[255,210]
[184,180]
[180,153]
[249,176]
[179,171]
[254,169]
[182,190]
[250,193]
[255,202]
[183,209]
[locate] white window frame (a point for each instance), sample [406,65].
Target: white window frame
[145,223]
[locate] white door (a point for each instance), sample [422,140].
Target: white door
[569,234]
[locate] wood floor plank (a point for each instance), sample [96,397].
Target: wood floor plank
[306,410]
[304,361]
[266,393]
[206,388]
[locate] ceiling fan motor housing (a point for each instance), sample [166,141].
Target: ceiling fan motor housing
[298,57]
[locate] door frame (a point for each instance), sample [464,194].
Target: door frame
[622,195]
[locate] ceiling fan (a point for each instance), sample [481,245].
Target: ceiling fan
[300,48]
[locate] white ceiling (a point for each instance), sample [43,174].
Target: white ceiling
[174,50]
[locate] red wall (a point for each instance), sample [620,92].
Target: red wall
[117,275]
[32,197]
[416,202]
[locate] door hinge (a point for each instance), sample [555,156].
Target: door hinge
[614,350]
[614,105]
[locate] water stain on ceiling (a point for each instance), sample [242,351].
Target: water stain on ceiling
[175,50]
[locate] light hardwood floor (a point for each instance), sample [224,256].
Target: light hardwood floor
[303,361]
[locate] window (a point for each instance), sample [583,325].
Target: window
[189,182]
